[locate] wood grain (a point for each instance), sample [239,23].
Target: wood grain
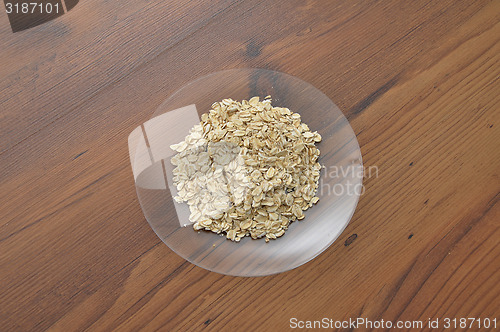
[418,81]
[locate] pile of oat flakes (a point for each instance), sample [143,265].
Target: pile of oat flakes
[248,169]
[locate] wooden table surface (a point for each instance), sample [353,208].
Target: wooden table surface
[418,81]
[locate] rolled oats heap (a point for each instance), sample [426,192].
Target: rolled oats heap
[248,169]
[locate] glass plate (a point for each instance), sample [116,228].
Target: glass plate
[340,181]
